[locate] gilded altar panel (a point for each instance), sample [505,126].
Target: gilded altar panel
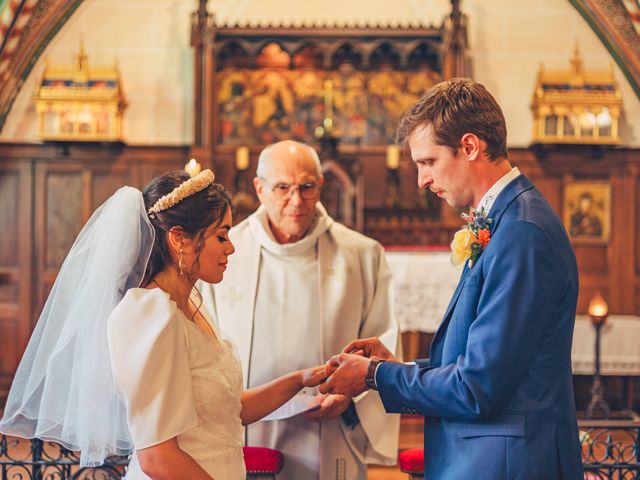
[267,105]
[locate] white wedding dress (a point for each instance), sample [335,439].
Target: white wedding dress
[176,381]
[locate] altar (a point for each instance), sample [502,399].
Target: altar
[619,346]
[423,281]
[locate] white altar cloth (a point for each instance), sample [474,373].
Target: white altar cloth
[423,282]
[619,346]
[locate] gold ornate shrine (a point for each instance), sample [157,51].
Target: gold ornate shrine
[576,106]
[79,103]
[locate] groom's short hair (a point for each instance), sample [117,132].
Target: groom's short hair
[456,107]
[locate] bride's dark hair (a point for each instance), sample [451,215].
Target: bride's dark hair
[194,214]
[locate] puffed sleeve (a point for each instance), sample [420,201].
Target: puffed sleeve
[149,358]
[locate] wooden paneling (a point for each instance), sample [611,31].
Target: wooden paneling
[47,194]
[15,265]
[9,189]
[106,182]
[62,213]
[592,258]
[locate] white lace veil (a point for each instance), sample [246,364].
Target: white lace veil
[64,389]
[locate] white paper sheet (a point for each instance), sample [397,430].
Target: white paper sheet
[303,401]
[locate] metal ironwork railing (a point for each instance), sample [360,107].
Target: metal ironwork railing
[610,451]
[39,460]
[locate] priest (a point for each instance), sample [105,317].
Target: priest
[298,289]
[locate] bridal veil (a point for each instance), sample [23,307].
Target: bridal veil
[64,389]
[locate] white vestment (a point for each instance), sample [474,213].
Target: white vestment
[283,318]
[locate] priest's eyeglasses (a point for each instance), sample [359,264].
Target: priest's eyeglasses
[284,191]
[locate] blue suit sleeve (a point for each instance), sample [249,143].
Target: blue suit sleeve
[521,278]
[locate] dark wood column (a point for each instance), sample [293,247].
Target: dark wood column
[454,46]
[202,41]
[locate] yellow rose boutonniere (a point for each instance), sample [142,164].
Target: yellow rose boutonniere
[469,242]
[461,247]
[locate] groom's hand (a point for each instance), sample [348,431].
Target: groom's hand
[371,348]
[348,375]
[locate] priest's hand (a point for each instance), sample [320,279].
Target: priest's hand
[371,348]
[349,372]
[310,377]
[331,406]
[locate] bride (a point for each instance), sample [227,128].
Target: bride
[123,359]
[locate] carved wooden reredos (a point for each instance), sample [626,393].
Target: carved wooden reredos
[256,85]
[273,84]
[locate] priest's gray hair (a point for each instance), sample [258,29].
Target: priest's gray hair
[263,159]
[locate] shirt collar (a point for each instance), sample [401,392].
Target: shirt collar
[259,225]
[489,198]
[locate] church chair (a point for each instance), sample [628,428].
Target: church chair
[412,462]
[262,463]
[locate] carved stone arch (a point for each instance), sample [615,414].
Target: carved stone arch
[407,49]
[25,33]
[304,44]
[434,59]
[335,48]
[298,48]
[226,45]
[260,46]
[380,44]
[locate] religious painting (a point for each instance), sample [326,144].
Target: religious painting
[587,211]
[269,104]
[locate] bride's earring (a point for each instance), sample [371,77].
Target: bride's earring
[181,263]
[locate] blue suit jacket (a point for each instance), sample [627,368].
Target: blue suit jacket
[497,390]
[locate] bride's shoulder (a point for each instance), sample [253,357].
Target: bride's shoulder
[143,309]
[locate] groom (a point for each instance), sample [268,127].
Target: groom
[496,391]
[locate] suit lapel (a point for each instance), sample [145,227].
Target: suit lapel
[435,355]
[514,189]
[456,294]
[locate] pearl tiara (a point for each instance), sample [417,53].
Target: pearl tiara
[182,191]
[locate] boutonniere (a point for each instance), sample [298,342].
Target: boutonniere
[469,242]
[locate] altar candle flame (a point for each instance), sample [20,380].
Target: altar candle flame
[598,308]
[192,167]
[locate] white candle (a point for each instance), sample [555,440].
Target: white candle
[192,167]
[393,157]
[242,158]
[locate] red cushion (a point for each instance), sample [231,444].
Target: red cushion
[263,460]
[412,461]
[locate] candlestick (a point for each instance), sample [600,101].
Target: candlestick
[598,311]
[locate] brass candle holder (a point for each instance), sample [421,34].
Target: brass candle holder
[598,311]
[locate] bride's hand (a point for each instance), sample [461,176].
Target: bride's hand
[310,377]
